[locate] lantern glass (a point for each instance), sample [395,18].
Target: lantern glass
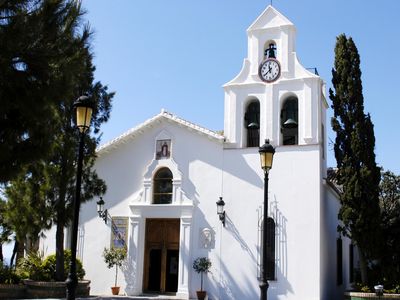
[220,206]
[266,160]
[83,117]
[100,205]
[266,155]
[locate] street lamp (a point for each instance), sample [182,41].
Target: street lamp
[84,108]
[266,156]
[221,211]
[100,210]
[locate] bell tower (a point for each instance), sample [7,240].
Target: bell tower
[274,97]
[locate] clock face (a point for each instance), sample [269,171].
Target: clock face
[269,70]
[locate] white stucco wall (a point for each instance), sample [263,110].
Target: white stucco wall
[329,235]
[293,202]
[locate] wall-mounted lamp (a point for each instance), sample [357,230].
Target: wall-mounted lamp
[100,209]
[220,210]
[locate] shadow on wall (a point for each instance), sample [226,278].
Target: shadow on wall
[245,291]
[227,280]
[281,285]
[241,168]
[235,233]
[129,267]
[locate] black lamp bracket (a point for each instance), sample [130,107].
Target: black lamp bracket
[104,215]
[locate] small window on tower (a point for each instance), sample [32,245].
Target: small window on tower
[252,123]
[289,121]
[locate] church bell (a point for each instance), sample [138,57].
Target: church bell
[289,123]
[253,125]
[289,114]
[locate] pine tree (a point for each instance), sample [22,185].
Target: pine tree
[72,75]
[35,52]
[5,230]
[28,210]
[354,151]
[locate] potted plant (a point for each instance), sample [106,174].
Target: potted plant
[114,257]
[201,265]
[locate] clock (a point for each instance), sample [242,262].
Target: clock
[269,70]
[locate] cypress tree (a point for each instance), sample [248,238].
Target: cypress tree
[354,146]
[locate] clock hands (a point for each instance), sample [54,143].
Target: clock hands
[269,70]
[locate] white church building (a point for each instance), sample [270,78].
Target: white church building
[165,176]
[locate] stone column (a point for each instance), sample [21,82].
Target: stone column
[184,258]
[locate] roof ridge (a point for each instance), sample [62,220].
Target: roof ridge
[162,114]
[189,123]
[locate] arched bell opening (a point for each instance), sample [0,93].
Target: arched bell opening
[252,123]
[289,121]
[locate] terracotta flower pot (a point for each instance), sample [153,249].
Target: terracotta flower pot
[115,290]
[201,295]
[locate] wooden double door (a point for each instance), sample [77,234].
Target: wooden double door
[161,255]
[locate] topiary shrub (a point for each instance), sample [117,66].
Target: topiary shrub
[114,257]
[202,265]
[35,267]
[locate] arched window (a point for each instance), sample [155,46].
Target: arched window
[270,249]
[162,187]
[252,123]
[289,122]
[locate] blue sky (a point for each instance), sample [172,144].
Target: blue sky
[177,54]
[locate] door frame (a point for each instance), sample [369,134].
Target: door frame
[136,243]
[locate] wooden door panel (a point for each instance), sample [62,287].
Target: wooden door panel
[161,255]
[154,231]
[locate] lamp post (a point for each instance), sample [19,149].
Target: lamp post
[266,156]
[84,108]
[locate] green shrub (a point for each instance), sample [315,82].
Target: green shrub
[34,266]
[359,287]
[31,267]
[394,290]
[8,275]
[365,289]
[49,265]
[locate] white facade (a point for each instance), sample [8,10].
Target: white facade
[205,166]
